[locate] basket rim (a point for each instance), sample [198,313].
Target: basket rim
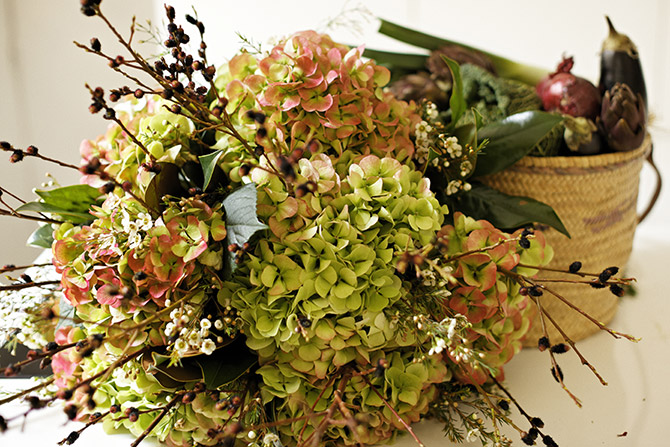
[588,161]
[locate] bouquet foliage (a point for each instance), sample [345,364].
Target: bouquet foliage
[271,253]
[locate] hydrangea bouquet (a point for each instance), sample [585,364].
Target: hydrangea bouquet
[256,256]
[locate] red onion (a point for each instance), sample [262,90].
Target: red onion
[569,94]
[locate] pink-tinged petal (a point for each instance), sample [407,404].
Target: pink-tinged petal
[459,304]
[290,102]
[241,65]
[331,76]
[382,75]
[86,149]
[108,295]
[195,251]
[279,229]
[65,251]
[255,83]
[235,89]
[477,314]
[476,240]
[306,65]
[319,104]
[62,365]
[158,290]
[334,57]
[218,230]
[313,81]
[287,209]
[382,111]
[345,131]
[480,275]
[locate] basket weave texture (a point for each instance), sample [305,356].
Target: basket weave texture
[596,198]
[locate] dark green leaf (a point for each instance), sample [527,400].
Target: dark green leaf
[171,376]
[42,237]
[226,365]
[208,163]
[456,101]
[511,139]
[413,62]
[165,183]
[241,218]
[504,211]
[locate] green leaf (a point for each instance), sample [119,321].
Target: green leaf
[165,183]
[41,207]
[72,203]
[505,211]
[227,364]
[511,139]
[42,237]
[457,100]
[241,218]
[72,198]
[208,163]
[505,68]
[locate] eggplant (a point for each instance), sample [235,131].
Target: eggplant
[620,63]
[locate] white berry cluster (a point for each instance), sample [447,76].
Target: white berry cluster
[17,319]
[194,334]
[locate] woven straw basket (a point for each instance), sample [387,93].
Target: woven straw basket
[596,198]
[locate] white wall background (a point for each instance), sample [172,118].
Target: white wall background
[43,102]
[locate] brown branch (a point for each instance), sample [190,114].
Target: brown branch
[574,347]
[28,391]
[23,267]
[28,217]
[155,422]
[556,370]
[28,285]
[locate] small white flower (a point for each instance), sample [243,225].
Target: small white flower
[134,240]
[453,187]
[169,329]
[218,324]
[194,339]
[271,439]
[431,111]
[207,347]
[144,221]
[205,324]
[440,345]
[180,346]
[453,148]
[466,168]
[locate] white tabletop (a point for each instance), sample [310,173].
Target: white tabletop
[638,373]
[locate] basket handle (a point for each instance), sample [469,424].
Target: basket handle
[657,191]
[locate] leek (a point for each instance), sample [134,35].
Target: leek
[506,68]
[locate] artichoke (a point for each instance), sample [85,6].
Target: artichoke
[622,118]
